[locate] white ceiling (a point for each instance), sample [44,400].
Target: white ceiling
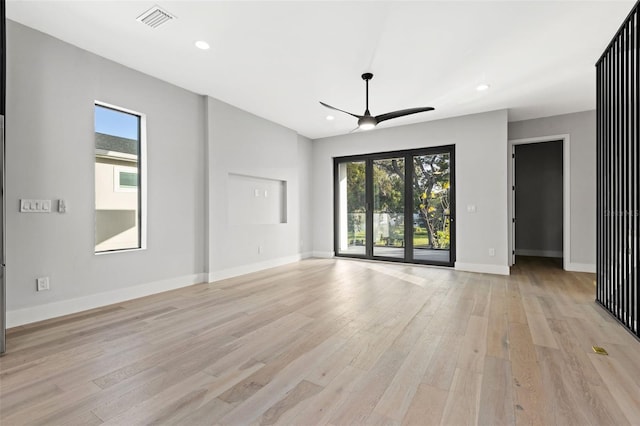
[278,59]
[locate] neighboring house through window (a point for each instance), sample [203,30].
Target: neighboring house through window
[119,192]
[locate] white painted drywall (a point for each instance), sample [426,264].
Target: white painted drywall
[51,89]
[581,127]
[305,191]
[256,201]
[481,180]
[243,144]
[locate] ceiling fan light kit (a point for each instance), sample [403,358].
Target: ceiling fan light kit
[368,121]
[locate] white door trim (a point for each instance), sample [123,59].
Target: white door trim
[566,192]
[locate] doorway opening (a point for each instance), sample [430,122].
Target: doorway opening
[539,199]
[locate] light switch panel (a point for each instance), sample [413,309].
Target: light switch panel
[35,206]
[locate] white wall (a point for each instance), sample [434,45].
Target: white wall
[481,180]
[243,144]
[581,127]
[51,89]
[305,187]
[194,143]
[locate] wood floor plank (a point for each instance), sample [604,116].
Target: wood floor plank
[463,401]
[318,409]
[442,367]
[295,396]
[622,387]
[515,307]
[474,345]
[560,397]
[396,399]
[525,371]
[496,395]
[427,406]
[498,328]
[333,342]
[251,408]
[540,331]
[359,404]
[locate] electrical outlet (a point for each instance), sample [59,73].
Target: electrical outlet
[259,249]
[492,252]
[42,283]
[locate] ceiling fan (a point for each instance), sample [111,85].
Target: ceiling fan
[368,121]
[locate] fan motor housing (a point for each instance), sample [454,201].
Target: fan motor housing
[367,122]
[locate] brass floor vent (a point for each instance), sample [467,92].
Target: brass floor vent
[599,350]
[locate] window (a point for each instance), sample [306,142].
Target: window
[119,179]
[125,179]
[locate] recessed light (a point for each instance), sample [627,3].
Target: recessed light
[482,87]
[200,44]
[330,117]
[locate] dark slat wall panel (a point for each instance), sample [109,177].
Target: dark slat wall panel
[3,44]
[618,130]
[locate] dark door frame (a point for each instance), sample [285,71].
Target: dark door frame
[408,155]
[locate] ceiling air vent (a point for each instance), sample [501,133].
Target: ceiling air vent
[155,17]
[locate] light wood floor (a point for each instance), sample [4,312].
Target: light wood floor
[334,342]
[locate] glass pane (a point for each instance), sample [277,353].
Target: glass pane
[128,179]
[352,208]
[117,203]
[431,189]
[388,207]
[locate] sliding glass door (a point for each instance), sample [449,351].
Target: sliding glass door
[396,206]
[388,207]
[431,234]
[351,208]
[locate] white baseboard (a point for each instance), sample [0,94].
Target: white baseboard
[323,254]
[539,253]
[482,268]
[306,255]
[28,315]
[581,267]
[253,267]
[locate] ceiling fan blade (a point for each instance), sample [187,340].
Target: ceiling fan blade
[338,109]
[401,113]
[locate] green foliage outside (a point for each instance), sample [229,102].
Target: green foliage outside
[431,186]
